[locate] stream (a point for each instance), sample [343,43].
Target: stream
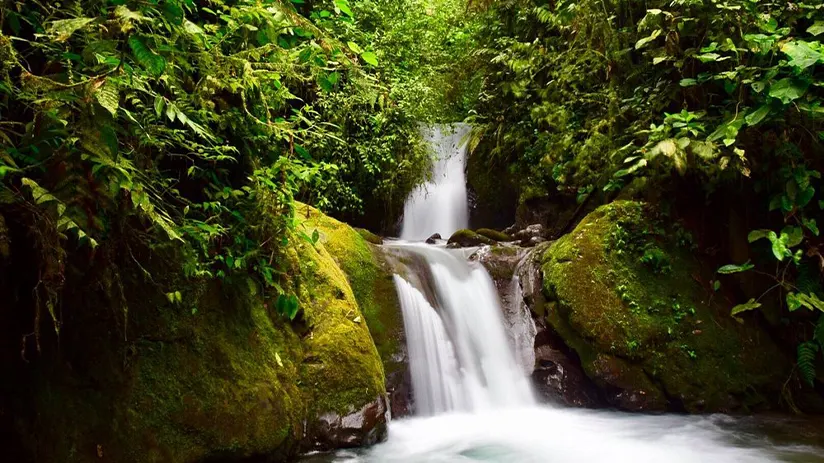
[473,400]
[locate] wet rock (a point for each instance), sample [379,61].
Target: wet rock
[366,426]
[533,241]
[467,238]
[559,378]
[532,235]
[434,238]
[399,389]
[500,262]
[494,234]
[626,385]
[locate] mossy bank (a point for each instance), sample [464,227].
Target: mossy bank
[218,375]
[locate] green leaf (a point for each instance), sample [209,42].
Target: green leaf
[788,89]
[816,29]
[62,29]
[802,56]
[756,235]
[811,225]
[292,307]
[159,105]
[711,57]
[716,285]
[370,58]
[354,47]
[793,303]
[732,268]
[343,6]
[108,97]
[792,236]
[779,247]
[688,82]
[646,40]
[755,117]
[747,306]
[150,60]
[808,300]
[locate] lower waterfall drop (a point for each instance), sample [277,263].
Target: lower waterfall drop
[459,355]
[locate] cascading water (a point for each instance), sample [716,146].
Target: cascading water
[459,356]
[472,398]
[439,206]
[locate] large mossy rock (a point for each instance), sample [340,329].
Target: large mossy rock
[371,278]
[624,292]
[219,376]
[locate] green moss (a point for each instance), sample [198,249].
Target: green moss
[466,237]
[369,236]
[493,234]
[224,381]
[370,279]
[655,318]
[220,376]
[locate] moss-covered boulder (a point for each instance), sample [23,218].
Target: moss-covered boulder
[216,375]
[467,238]
[369,236]
[625,293]
[494,235]
[370,276]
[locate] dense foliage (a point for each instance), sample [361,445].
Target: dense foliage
[192,127]
[604,98]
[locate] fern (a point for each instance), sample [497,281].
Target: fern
[806,361]
[150,60]
[818,334]
[41,196]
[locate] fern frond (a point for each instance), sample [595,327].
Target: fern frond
[806,361]
[153,62]
[818,333]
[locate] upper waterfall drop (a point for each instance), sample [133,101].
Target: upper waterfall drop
[440,205]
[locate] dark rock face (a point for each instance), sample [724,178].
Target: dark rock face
[366,426]
[558,376]
[399,389]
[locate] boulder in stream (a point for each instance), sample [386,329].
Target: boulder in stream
[630,302]
[465,238]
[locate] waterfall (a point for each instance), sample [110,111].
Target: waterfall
[440,206]
[459,354]
[471,393]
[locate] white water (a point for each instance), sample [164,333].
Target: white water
[472,398]
[439,206]
[459,355]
